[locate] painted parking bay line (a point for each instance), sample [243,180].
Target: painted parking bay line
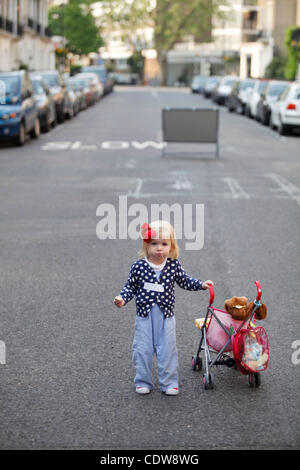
[285,185]
[236,190]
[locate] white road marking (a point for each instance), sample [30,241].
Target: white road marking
[181,181]
[148,143]
[237,191]
[137,192]
[285,185]
[78,146]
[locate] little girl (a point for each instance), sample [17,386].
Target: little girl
[151,280]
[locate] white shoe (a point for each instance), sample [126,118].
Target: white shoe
[172,391]
[142,390]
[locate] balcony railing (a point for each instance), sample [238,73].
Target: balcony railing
[11,27]
[47,32]
[31,23]
[20,30]
[6,25]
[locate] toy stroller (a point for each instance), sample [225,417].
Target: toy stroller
[221,334]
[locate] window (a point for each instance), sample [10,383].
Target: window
[297,94]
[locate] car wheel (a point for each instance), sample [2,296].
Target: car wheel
[47,126]
[35,132]
[54,122]
[60,116]
[282,128]
[271,124]
[20,139]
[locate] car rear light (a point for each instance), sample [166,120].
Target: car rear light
[291,106]
[13,115]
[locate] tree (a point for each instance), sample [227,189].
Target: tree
[275,69]
[175,20]
[75,22]
[292,42]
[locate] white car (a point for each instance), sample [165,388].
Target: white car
[285,113]
[224,88]
[254,97]
[95,84]
[211,83]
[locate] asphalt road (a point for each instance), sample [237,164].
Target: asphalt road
[68,378]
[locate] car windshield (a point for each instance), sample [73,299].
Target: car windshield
[101,72]
[245,85]
[276,90]
[37,87]
[51,80]
[198,80]
[84,82]
[261,87]
[228,82]
[10,86]
[73,84]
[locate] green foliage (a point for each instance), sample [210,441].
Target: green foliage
[293,49]
[276,68]
[75,22]
[136,62]
[176,19]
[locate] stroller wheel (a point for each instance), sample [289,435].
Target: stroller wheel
[208,382]
[196,363]
[254,380]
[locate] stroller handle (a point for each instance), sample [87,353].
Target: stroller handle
[212,295]
[259,291]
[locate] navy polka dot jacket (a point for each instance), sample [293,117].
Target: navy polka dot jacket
[142,283]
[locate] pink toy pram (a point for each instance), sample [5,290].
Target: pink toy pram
[221,334]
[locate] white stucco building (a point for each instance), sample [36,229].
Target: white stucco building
[24,35]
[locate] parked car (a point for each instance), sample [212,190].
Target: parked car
[238,97]
[78,88]
[60,94]
[285,113]
[87,90]
[210,84]
[19,114]
[273,90]
[104,77]
[254,97]
[45,102]
[74,100]
[125,78]
[94,83]
[198,84]
[223,90]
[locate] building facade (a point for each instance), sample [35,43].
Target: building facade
[274,17]
[24,35]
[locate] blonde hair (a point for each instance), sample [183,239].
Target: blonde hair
[164,230]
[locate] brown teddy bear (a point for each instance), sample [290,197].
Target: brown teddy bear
[240,310]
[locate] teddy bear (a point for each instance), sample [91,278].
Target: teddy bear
[239,309]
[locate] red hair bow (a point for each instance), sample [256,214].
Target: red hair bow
[147,233]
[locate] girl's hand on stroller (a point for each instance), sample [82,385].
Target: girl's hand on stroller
[118,301]
[206,284]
